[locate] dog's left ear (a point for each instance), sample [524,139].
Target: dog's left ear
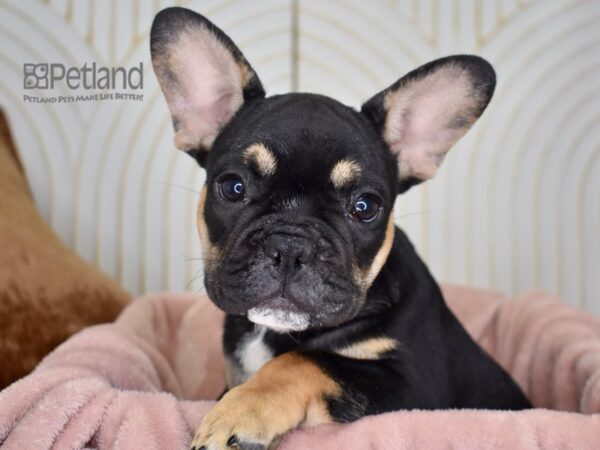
[425,112]
[203,75]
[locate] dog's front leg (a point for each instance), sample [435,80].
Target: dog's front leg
[288,391]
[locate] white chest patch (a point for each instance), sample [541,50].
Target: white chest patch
[253,353]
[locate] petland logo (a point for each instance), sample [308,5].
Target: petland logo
[87,77]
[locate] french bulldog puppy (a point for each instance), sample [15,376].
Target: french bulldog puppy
[331,314]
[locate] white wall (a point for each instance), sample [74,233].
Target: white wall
[516,205]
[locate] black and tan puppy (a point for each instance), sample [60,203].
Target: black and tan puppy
[331,315]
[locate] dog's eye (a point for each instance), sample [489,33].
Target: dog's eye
[366,208]
[232,188]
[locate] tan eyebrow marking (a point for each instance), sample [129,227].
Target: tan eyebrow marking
[344,172]
[264,159]
[371,348]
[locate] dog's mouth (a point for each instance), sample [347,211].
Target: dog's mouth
[286,276]
[280,314]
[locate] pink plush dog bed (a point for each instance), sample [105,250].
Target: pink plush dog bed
[145,382]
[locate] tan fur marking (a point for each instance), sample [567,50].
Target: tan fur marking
[263,158]
[304,383]
[286,392]
[371,348]
[210,252]
[344,172]
[229,376]
[365,277]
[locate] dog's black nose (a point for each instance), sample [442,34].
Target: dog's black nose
[289,252]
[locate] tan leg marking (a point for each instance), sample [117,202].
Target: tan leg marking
[262,157]
[344,172]
[229,375]
[286,392]
[371,348]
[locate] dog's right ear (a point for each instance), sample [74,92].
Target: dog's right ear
[203,75]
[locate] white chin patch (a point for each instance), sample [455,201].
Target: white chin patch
[278,320]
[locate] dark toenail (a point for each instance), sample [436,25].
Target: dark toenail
[233,441]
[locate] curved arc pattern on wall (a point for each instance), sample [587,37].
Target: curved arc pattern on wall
[515,206]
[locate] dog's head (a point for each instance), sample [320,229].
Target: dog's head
[296,214]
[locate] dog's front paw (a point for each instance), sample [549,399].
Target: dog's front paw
[242,420]
[286,392]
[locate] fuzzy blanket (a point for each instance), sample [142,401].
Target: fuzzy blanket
[146,381]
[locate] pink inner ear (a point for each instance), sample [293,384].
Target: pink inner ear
[420,125]
[207,90]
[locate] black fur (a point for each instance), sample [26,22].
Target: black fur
[297,209]
[437,365]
